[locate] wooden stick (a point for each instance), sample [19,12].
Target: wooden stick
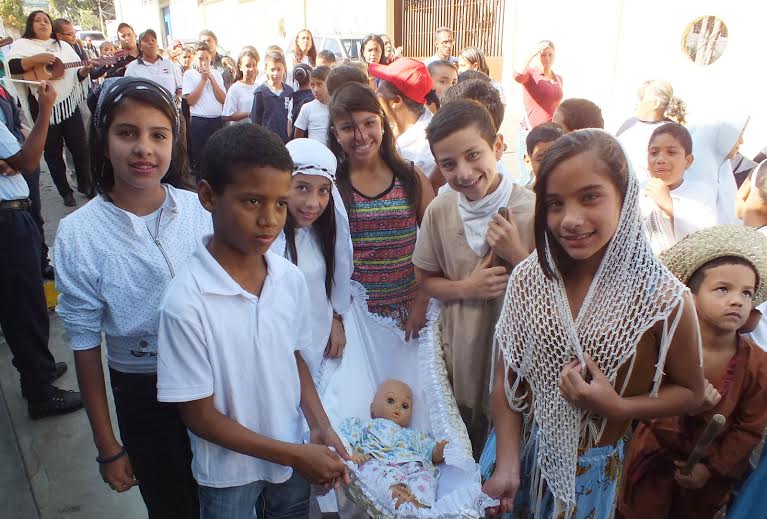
[24,81]
[712,430]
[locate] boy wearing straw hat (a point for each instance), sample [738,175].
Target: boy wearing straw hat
[725,267]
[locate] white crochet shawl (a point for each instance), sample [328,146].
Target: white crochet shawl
[70,91]
[537,336]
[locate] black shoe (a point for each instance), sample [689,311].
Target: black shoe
[69,200]
[48,272]
[58,401]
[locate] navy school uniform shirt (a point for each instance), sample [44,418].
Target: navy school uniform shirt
[272,111]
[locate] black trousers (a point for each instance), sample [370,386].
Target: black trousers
[23,310]
[200,130]
[33,181]
[71,132]
[158,447]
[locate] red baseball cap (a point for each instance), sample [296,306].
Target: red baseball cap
[409,75]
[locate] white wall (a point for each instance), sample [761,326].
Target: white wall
[605,50]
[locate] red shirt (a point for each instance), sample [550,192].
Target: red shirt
[541,96]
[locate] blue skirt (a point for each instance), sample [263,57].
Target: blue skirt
[596,484]
[752,500]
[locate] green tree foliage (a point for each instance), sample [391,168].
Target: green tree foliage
[12,13]
[87,13]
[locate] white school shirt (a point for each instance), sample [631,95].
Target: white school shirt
[239,98]
[207,105]
[163,72]
[314,119]
[414,146]
[12,187]
[694,210]
[111,274]
[217,339]
[635,140]
[312,265]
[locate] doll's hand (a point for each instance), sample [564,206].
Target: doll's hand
[337,340]
[711,398]
[503,487]
[597,395]
[360,458]
[438,454]
[503,238]
[697,478]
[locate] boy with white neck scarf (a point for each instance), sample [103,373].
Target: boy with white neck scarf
[460,235]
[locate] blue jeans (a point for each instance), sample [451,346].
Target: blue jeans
[288,500]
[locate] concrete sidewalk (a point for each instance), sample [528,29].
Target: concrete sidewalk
[48,467]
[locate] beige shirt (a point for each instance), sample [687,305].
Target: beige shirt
[466,326]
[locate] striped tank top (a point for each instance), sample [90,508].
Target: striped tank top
[383,230]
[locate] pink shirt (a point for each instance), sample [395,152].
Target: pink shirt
[541,96]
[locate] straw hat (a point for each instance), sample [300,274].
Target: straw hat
[697,249]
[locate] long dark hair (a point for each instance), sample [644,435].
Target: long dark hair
[325,226]
[355,97]
[102,172]
[311,53]
[389,91]
[245,54]
[29,28]
[566,147]
[376,38]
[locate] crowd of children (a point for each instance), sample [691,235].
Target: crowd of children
[594,317]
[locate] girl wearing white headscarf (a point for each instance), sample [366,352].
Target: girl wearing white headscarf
[587,327]
[317,239]
[714,145]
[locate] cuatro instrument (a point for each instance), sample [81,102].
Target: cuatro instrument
[56,69]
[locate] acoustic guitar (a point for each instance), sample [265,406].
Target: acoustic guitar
[55,70]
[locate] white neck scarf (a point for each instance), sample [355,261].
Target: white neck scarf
[70,91]
[537,335]
[476,215]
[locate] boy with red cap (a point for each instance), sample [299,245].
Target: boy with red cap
[405,89]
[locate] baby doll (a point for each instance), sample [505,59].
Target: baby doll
[388,452]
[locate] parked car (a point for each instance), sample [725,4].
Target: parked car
[345,46]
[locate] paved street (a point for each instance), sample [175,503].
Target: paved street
[48,467]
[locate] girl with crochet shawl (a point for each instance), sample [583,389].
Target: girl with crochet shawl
[589,330]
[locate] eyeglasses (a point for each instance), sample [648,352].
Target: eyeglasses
[446,42]
[67,33]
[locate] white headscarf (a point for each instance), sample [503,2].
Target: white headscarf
[711,143]
[311,157]
[538,335]
[476,215]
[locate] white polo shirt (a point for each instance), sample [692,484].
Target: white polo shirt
[207,105]
[217,339]
[413,145]
[163,72]
[314,119]
[13,187]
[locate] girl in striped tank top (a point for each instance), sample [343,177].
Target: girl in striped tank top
[385,198]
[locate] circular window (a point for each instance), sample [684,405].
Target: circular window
[705,40]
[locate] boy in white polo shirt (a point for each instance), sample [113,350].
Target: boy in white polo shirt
[203,88]
[231,329]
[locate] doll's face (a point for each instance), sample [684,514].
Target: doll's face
[393,401]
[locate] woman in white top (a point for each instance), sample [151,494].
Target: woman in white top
[404,90]
[715,144]
[657,105]
[113,259]
[239,97]
[150,65]
[303,51]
